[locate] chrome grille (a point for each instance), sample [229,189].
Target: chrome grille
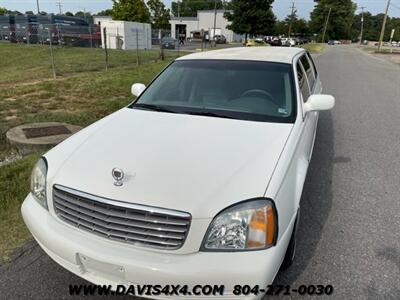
[115,220]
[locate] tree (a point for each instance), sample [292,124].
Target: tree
[299,26]
[69,14]
[340,21]
[84,15]
[106,12]
[29,12]
[281,27]
[159,14]
[3,10]
[372,27]
[15,13]
[393,23]
[130,10]
[252,17]
[189,8]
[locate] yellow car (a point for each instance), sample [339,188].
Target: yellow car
[256,43]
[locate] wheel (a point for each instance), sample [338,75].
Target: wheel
[291,250]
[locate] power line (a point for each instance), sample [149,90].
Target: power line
[59,6]
[395,5]
[291,19]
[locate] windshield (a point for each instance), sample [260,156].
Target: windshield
[247,90]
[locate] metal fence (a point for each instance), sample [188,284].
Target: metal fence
[73,49]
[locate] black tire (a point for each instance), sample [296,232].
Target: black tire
[291,249]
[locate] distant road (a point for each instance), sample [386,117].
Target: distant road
[349,236]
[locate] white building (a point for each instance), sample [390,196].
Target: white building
[185,26]
[126,35]
[97,20]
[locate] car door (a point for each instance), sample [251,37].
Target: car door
[308,85]
[315,89]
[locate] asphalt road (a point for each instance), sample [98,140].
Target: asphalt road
[349,235]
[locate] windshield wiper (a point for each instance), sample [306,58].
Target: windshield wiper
[153,107]
[208,114]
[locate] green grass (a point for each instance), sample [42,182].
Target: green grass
[23,63]
[314,47]
[14,186]
[383,50]
[83,93]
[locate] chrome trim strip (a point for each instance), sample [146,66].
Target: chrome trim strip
[61,196]
[144,208]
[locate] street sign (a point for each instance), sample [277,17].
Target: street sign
[392,34]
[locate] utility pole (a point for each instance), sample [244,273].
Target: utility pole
[362,24]
[179,9]
[383,26]
[326,25]
[59,6]
[37,4]
[215,22]
[291,20]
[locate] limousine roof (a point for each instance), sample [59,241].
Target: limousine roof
[270,54]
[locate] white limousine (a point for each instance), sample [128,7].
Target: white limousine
[197,182]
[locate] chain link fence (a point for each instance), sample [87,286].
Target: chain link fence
[73,48]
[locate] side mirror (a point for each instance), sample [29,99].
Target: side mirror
[319,102]
[137,89]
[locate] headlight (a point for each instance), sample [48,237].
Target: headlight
[38,182]
[250,225]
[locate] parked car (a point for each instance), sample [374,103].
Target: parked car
[168,43]
[256,43]
[198,178]
[220,39]
[334,42]
[276,42]
[288,42]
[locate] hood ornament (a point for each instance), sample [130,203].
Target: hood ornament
[118,175]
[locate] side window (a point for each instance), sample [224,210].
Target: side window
[312,65]
[307,68]
[305,90]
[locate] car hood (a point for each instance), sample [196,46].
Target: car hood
[195,164]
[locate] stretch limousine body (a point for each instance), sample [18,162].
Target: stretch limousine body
[198,181]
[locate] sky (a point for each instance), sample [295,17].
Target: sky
[280,7]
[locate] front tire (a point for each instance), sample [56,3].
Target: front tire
[291,250]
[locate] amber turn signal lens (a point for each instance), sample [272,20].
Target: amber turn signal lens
[270,225]
[261,228]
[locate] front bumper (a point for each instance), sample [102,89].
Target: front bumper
[101,261]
